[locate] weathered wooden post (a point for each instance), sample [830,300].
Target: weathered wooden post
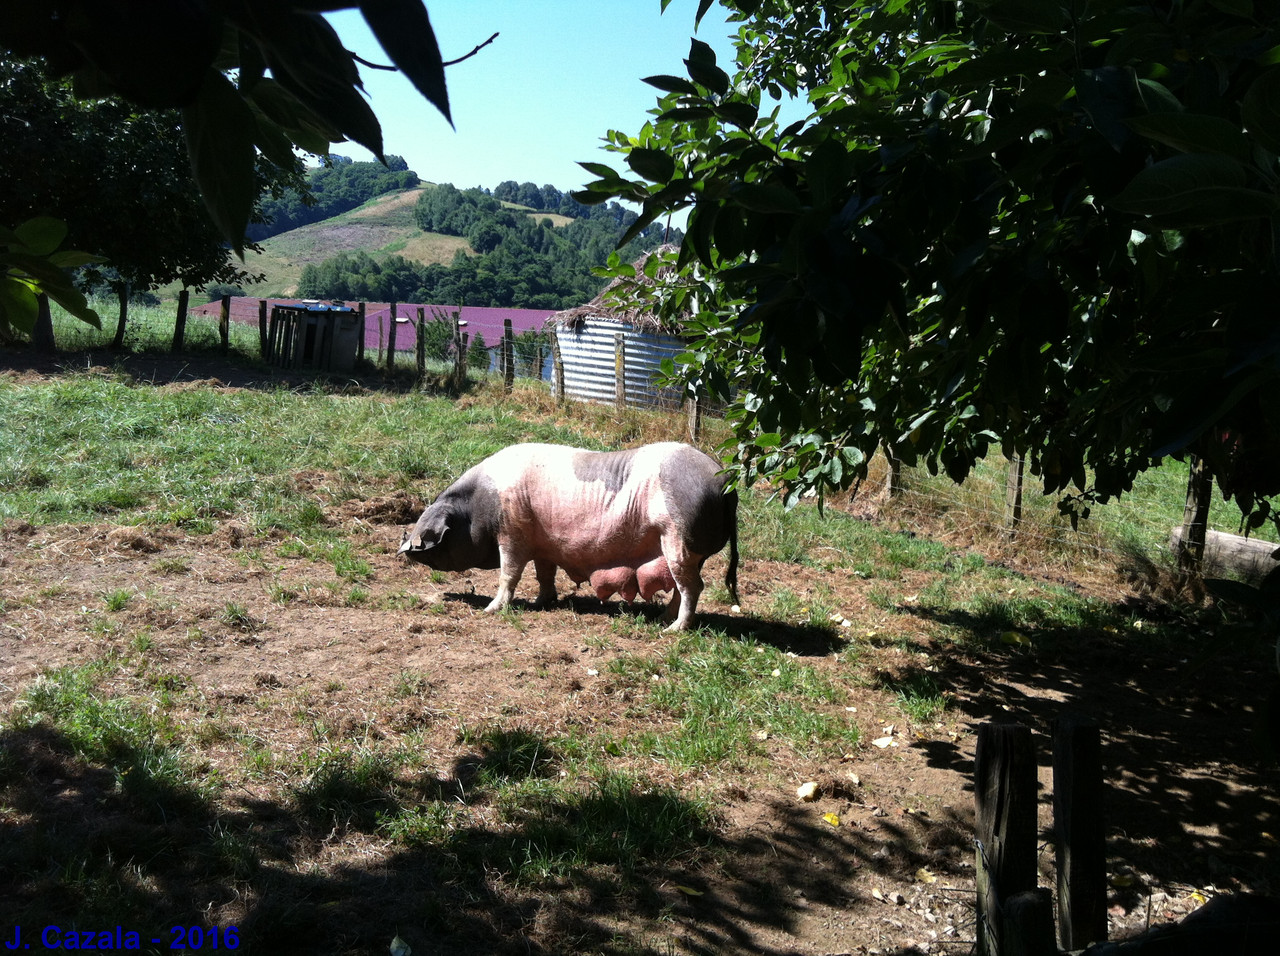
[459,354]
[1028,924]
[893,480]
[180,323]
[262,328]
[1080,836]
[360,310]
[557,369]
[422,342]
[1005,789]
[391,339]
[619,371]
[1013,496]
[693,417]
[224,323]
[508,357]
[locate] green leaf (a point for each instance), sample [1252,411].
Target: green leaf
[1260,110]
[1195,189]
[312,64]
[1025,16]
[404,30]
[687,114]
[653,164]
[672,84]
[18,304]
[591,198]
[1193,133]
[767,197]
[218,129]
[42,235]
[601,170]
[72,259]
[702,68]
[742,115]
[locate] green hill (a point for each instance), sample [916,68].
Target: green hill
[382,226]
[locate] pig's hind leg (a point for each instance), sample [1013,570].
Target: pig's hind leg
[685,569]
[546,574]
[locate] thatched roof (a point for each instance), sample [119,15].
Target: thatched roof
[633,301]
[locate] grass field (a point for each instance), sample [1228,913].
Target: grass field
[226,702]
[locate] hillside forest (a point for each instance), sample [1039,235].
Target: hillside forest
[530,247]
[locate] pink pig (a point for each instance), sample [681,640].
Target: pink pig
[631,522]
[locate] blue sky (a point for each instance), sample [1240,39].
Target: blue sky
[537,100]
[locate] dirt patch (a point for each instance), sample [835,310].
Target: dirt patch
[879,861]
[265,661]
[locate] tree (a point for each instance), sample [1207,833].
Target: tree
[119,179]
[339,185]
[179,56]
[1045,228]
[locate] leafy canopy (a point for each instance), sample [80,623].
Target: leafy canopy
[1044,227]
[294,83]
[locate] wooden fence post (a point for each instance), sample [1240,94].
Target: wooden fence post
[508,357]
[1013,496]
[693,417]
[1080,836]
[224,323]
[1005,790]
[262,328]
[180,323]
[893,480]
[360,310]
[422,342]
[1028,924]
[619,371]
[391,339]
[459,354]
[557,369]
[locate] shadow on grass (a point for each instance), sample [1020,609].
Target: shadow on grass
[1188,705]
[359,855]
[803,640]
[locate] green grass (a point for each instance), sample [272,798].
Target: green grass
[514,804]
[726,696]
[132,453]
[125,734]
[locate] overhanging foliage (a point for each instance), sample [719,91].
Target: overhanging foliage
[1045,228]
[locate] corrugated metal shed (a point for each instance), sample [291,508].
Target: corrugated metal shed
[587,352]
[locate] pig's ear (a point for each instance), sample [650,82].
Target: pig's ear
[424,536]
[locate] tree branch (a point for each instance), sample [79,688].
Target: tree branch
[382,66]
[473,52]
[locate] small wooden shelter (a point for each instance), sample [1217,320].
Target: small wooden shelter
[615,344]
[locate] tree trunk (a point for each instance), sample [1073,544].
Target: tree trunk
[122,293]
[42,331]
[224,323]
[180,324]
[1195,519]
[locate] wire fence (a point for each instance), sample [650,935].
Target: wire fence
[1131,531]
